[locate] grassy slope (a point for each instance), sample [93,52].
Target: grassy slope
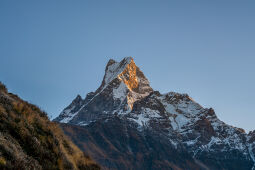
[29,140]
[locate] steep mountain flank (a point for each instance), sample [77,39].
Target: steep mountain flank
[116,144]
[125,124]
[28,140]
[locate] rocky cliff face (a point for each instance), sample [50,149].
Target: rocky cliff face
[126,120]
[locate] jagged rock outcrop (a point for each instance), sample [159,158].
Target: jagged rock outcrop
[125,115]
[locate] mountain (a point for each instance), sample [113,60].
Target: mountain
[125,124]
[30,141]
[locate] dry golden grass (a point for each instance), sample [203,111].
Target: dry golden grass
[34,142]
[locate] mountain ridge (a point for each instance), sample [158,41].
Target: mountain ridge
[126,96]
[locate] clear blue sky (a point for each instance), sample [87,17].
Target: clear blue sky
[52,50]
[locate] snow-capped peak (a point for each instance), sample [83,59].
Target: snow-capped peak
[123,84]
[113,69]
[125,80]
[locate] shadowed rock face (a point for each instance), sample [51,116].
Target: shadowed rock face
[117,144]
[128,125]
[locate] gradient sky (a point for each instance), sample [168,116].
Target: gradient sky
[52,50]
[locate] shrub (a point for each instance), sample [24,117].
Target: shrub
[2,161]
[2,87]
